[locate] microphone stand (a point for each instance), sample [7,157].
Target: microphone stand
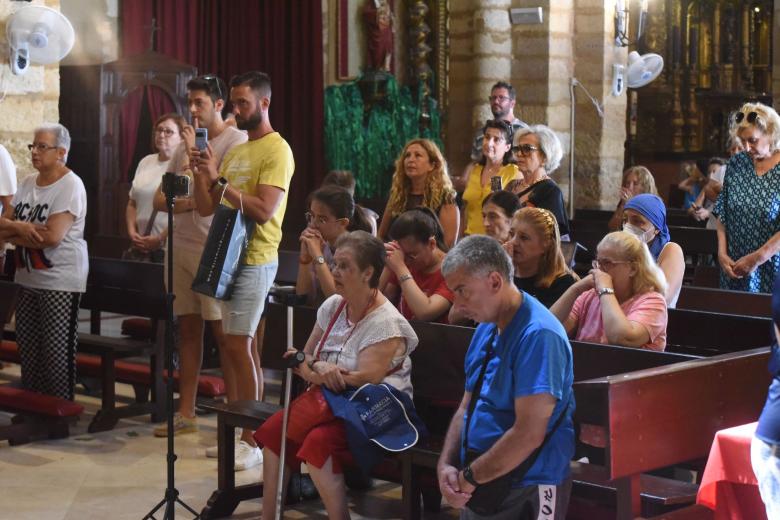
[171,493]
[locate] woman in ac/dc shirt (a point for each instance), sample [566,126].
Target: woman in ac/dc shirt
[51,263]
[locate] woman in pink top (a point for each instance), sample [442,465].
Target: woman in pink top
[621,302]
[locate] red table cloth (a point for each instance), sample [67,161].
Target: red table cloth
[728,485]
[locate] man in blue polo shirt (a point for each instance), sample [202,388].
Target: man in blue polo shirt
[518,433]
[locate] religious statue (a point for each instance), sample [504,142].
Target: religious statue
[378,16]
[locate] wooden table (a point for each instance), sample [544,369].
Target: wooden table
[728,485]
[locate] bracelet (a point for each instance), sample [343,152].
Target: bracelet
[605,290]
[403,278]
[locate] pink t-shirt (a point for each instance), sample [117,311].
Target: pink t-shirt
[648,308]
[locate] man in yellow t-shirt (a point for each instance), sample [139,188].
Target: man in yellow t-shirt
[254,176]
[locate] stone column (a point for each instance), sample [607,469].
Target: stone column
[30,99]
[480,55]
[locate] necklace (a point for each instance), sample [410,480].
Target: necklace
[370,302]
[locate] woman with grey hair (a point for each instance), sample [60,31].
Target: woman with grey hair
[47,228]
[538,153]
[747,207]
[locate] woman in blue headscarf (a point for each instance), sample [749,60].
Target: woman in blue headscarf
[645,216]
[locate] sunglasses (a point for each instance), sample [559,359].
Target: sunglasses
[211,78]
[524,149]
[751,117]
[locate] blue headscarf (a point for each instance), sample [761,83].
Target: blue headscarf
[653,209]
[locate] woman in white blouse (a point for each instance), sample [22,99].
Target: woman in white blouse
[360,337]
[146,227]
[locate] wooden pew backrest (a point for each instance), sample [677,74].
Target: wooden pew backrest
[723,301]
[124,287]
[708,333]
[666,415]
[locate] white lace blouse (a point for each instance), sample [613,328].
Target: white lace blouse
[383,323]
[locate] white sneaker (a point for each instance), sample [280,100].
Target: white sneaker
[247,456]
[212,452]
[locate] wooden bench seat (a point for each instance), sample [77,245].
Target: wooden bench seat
[136,374]
[694,512]
[659,495]
[41,415]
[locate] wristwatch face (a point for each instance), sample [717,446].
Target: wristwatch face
[222,181]
[320,259]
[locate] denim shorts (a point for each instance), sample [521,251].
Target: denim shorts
[241,313]
[765,459]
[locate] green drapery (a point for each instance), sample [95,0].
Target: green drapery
[369,144]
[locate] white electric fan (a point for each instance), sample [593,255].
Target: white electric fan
[38,34]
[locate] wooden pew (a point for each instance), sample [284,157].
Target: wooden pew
[442,351]
[674,216]
[130,288]
[707,333]
[675,419]
[39,415]
[727,302]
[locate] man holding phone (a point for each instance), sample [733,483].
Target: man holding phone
[255,178]
[206,99]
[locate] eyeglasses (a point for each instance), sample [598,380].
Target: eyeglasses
[524,149]
[211,78]
[41,147]
[311,218]
[751,117]
[500,99]
[167,132]
[605,264]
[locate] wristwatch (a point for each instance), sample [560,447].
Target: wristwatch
[221,182]
[606,290]
[468,476]
[320,260]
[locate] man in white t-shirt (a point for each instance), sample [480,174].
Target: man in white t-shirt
[7,190]
[206,97]
[716,171]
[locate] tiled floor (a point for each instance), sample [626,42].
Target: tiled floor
[120,474]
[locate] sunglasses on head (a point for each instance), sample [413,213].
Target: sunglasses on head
[751,117]
[211,78]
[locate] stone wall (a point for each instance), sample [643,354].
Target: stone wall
[29,99]
[575,39]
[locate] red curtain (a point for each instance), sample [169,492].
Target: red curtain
[129,117]
[280,37]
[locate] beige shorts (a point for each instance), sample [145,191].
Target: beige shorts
[187,301]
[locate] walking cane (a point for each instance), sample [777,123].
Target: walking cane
[292,362]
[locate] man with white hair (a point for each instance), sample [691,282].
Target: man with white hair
[507,450]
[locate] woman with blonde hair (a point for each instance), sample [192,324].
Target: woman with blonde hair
[621,302]
[535,249]
[421,179]
[747,207]
[636,180]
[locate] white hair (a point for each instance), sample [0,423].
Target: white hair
[549,143]
[61,136]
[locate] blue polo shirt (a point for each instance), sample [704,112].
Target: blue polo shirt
[532,356]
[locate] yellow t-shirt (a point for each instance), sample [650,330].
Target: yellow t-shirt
[475,193]
[268,160]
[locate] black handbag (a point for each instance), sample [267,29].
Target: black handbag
[488,497]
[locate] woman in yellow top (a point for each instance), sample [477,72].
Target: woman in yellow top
[495,163]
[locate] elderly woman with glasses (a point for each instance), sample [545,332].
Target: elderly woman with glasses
[146,227]
[538,153]
[748,207]
[621,302]
[480,180]
[47,228]
[332,213]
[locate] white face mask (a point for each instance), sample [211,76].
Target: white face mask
[641,234]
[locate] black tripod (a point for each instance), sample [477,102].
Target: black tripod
[169,185]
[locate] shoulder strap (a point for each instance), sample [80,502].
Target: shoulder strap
[150,224]
[330,327]
[478,387]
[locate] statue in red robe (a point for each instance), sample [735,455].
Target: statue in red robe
[378,16]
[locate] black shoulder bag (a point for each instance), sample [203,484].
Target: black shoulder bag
[488,497]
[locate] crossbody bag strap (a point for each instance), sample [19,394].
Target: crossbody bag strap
[150,224]
[330,327]
[478,387]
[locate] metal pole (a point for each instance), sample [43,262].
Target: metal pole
[287,389]
[572,83]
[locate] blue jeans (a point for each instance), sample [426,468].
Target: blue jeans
[765,459]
